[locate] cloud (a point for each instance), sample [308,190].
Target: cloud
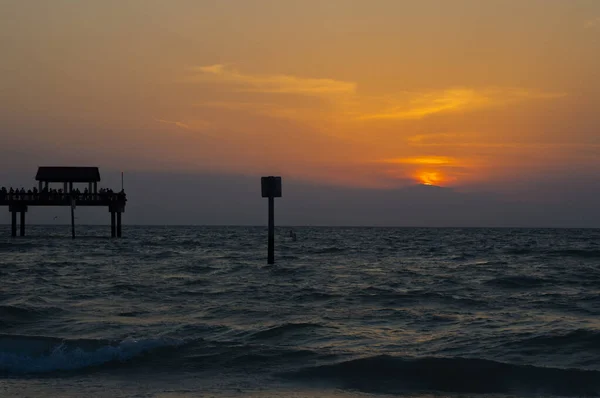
[424,139]
[174,123]
[474,140]
[306,114]
[275,84]
[423,160]
[261,108]
[456,140]
[341,103]
[455,100]
[196,125]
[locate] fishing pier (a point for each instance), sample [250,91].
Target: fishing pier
[19,201]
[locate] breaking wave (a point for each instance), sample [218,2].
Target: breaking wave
[387,374]
[27,355]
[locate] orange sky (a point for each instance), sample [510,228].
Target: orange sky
[463,93]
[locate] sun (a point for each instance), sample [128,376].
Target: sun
[430,177]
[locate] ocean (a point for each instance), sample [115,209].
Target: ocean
[345,312]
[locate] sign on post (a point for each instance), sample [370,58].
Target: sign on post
[271,189]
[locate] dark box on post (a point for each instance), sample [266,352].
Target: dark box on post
[271,187]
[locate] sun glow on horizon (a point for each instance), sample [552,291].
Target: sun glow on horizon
[430,177]
[423,160]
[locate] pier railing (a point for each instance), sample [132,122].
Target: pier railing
[62,199]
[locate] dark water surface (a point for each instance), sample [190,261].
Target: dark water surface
[195,311]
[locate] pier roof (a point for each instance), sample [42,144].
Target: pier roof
[68,174]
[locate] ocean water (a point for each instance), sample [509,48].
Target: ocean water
[345,312]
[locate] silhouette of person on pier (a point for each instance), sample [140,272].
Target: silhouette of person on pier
[35,194]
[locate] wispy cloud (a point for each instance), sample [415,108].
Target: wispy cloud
[444,141]
[263,108]
[266,108]
[195,126]
[455,100]
[423,139]
[592,23]
[455,140]
[423,161]
[174,123]
[282,84]
[341,103]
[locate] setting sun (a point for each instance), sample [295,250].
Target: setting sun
[430,177]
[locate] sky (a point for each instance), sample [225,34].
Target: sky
[349,97]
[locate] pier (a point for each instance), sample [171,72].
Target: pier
[19,200]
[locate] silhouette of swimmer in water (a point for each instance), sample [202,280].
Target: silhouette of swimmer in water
[292,235]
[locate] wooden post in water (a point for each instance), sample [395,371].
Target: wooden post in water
[22,222]
[271,239]
[271,188]
[14,209]
[73,217]
[119,230]
[13,225]
[113,231]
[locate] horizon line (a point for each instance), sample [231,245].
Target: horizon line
[305,226]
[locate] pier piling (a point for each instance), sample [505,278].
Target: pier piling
[13,224]
[72,217]
[113,233]
[22,226]
[119,224]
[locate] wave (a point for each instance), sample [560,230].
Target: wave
[14,313]
[163,255]
[35,354]
[312,294]
[280,330]
[519,251]
[517,282]
[189,242]
[328,250]
[38,355]
[16,246]
[386,374]
[385,296]
[582,253]
[580,340]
